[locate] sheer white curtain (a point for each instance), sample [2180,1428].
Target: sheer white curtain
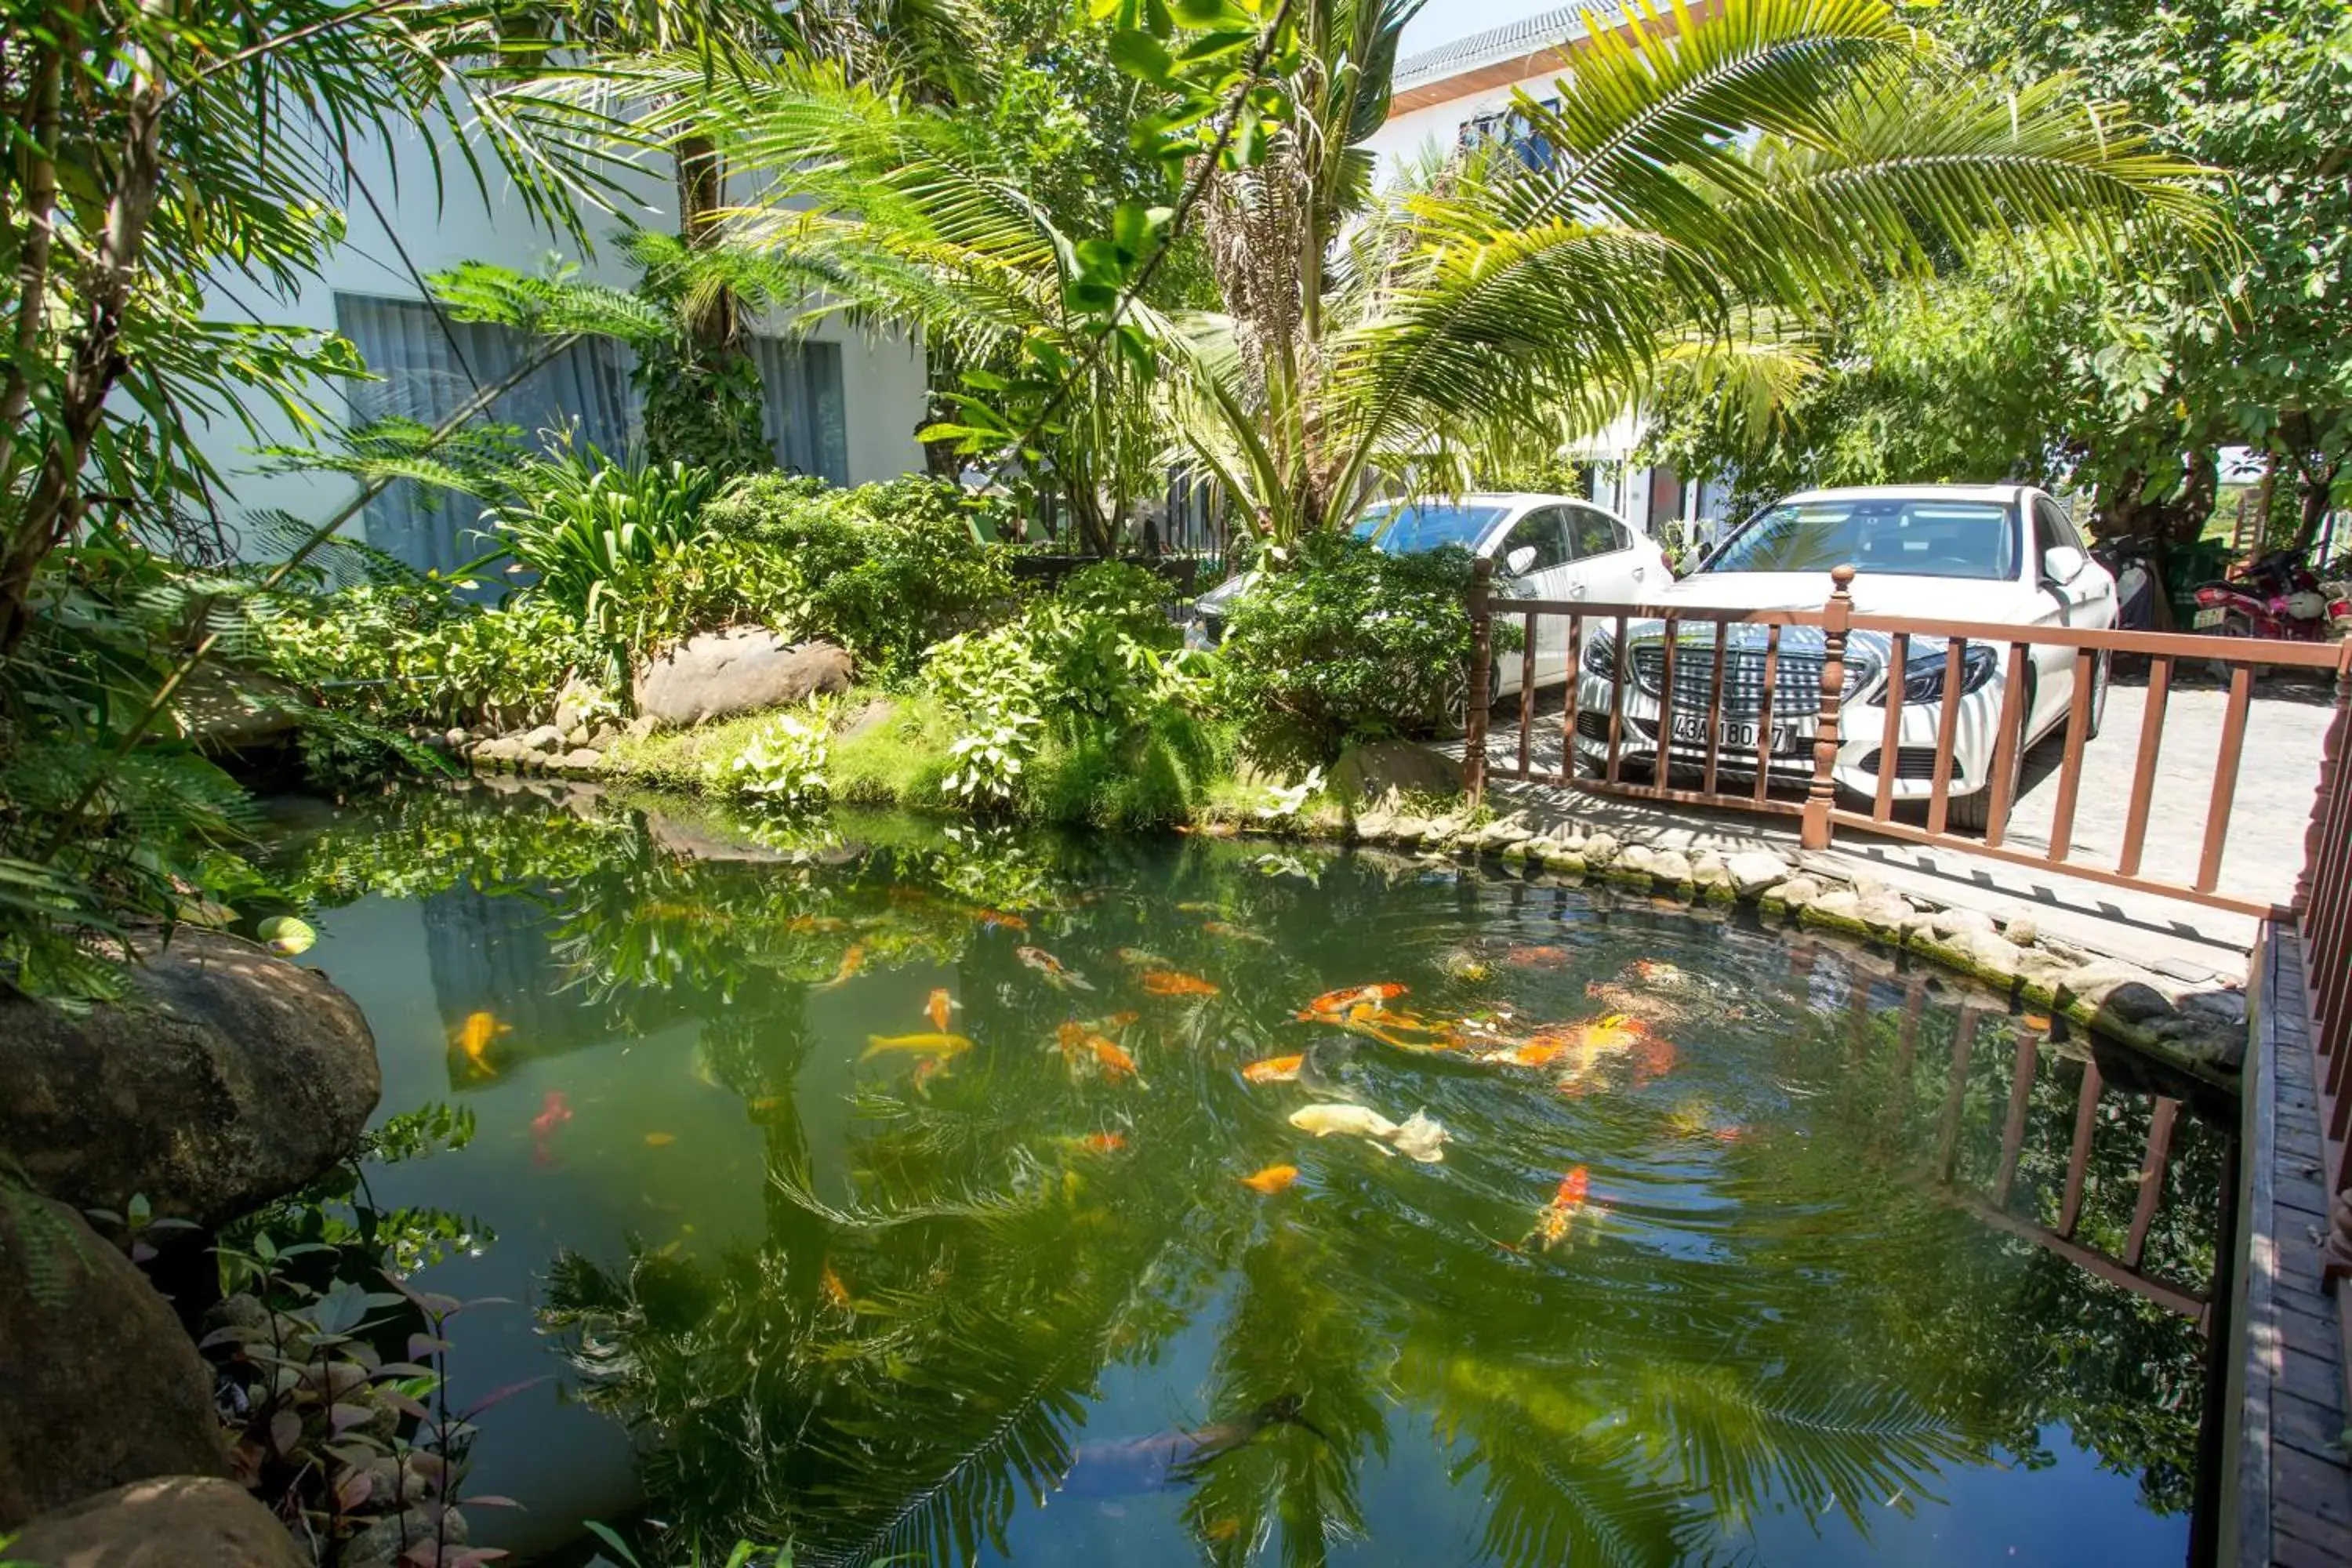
[429,367]
[807,412]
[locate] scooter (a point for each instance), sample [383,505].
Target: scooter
[2132,563]
[2274,597]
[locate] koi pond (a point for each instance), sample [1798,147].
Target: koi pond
[912,1192]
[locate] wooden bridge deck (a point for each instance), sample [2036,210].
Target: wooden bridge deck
[2292,1504]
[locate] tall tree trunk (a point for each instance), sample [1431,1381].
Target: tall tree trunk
[2314,487]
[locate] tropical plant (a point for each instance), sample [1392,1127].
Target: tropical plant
[1351,644]
[1780,154]
[783,763]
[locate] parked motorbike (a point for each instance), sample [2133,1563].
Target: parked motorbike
[2132,563]
[2275,595]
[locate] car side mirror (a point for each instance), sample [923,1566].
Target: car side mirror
[1519,561]
[2062,564]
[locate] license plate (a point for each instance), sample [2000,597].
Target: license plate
[1690,729]
[2213,617]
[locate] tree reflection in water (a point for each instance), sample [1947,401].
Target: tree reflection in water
[1780,1311]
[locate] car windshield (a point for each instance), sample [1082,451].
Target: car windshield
[1408,530]
[1913,538]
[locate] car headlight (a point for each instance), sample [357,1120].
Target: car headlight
[1923,680]
[1601,655]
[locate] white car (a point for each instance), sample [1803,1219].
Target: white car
[1543,547]
[2000,554]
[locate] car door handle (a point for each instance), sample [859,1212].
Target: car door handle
[1576,590]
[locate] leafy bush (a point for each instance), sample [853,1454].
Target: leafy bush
[785,759]
[997,686]
[885,569]
[580,522]
[1348,644]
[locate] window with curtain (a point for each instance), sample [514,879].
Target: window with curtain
[808,424]
[428,368]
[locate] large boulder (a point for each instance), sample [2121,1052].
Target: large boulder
[177,1521]
[744,670]
[1366,772]
[226,1078]
[103,1386]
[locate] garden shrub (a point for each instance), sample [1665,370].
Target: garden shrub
[1348,644]
[885,569]
[785,763]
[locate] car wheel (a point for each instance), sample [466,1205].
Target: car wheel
[1449,700]
[2102,678]
[1972,813]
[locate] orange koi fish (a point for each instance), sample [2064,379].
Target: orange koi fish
[1168,982]
[1070,1039]
[924,1044]
[1234,933]
[851,962]
[1116,1063]
[1274,1069]
[1102,1143]
[1272,1179]
[1536,957]
[1658,971]
[801,925]
[1339,1002]
[1554,1220]
[998,919]
[1046,965]
[1376,1022]
[938,1008]
[553,1112]
[1535,1051]
[1117,1021]
[926,1069]
[473,1036]
[830,1286]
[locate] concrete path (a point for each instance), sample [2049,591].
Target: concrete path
[2277,780]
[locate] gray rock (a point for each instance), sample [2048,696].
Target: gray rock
[2225,1007]
[1408,830]
[498,751]
[1838,904]
[546,738]
[584,761]
[576,736]
[1671,866]
[227,1076]
[638,728]
[1383,766]
[603,734]
[574,703]
[1796,893]
[745,670]
[103,1387]
[1599,850]
[2117,991]
[1635,860]
[1884,912]
[1753,870]
[1993,955]
[1951,923]
[457,739]
[1376,825]
[223,708]
[2021,931]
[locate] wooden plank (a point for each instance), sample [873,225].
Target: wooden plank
[1898,664]
[1948,731]
[1715,707]
[1617,701]
[2020,1099]
[1948,1136]
[1666,740]
[2148,645]
[1772,711]
[2006,743]
[2070,773]
[2143,790]
[2225,778]
[1567,703]
[1526,691]
[1683,797]
[2158,1155]
[2172,1298]
[2078,1156]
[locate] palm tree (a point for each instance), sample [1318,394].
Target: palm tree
[1769,158]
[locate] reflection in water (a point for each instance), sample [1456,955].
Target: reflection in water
[1736,1246]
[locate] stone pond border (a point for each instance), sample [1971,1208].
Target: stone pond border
[2201,1031]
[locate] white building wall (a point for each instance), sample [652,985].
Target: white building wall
[883,374]
[1407,137]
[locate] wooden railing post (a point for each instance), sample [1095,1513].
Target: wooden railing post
[1482,652]
[1836,617]
[2331,762]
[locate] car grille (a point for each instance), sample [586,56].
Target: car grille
[1797,690]
[1913,765]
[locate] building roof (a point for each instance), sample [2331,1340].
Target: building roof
[1531,47]
[1509,42]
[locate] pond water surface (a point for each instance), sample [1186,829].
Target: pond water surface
[1723,1282]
